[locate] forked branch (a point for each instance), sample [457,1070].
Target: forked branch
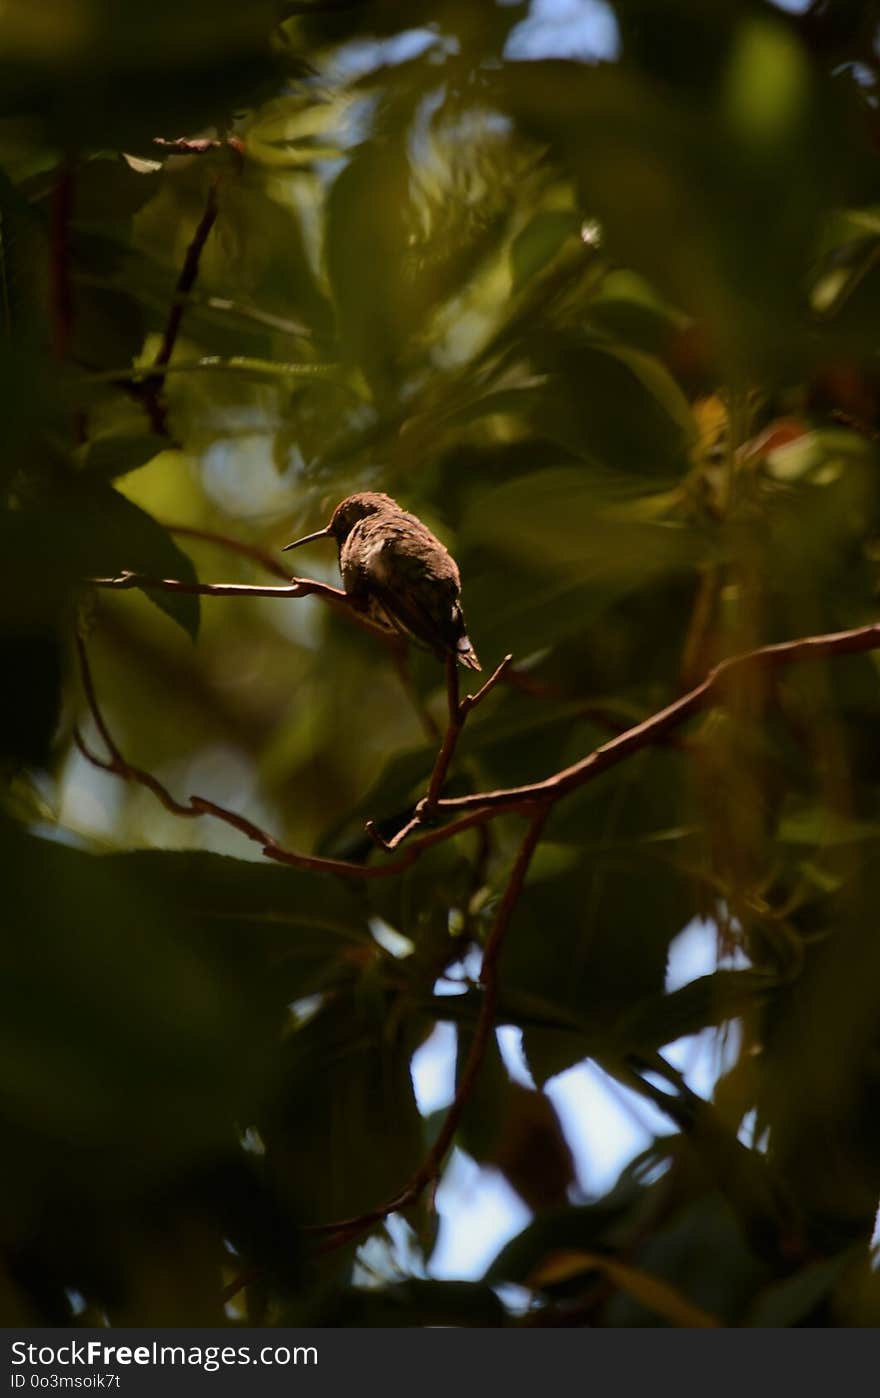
[458,710]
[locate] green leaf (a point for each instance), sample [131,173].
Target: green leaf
[614,405]
[667,173]
[707,1001]
[345,1095]
[108,326]
[628,310]
[369,203]
[539,242]
[791,1302]
[23,263]
[95,958]
[572,541]
[817,825]
[113,456]
[657,1297]
[592,936]
[290,931]
[599,1225]
[132,541]
[88,530]
[109,192]
[30,698]
[684,1253]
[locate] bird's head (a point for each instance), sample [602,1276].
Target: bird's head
[347,514]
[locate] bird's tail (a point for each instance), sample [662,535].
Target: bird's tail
[466,654]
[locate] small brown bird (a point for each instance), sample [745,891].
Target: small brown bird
[399,572]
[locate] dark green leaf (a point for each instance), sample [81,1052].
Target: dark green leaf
[539,241]
[110,457]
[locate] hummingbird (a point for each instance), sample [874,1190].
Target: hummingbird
[399,573]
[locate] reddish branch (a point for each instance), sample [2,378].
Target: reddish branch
[446,751]
[297,587]
[152,387]
[458,712]
[188,273]
[653,729]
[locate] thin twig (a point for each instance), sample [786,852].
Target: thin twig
[458,712]
[152,386]
[450,738]
[297,587]
[188,273]
[470,701]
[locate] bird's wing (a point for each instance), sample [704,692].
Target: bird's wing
[409,614]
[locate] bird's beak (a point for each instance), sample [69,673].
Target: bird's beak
[318,534]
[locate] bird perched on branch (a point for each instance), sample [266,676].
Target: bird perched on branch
[402,576]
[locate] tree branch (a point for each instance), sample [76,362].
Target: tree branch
[188,273]
[651,730]
[345,1230]
[458,712]
[297,587]
[151,389]
[450,738]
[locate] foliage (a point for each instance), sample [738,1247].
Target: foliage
[610,329]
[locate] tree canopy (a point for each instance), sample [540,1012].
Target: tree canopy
[607,322]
